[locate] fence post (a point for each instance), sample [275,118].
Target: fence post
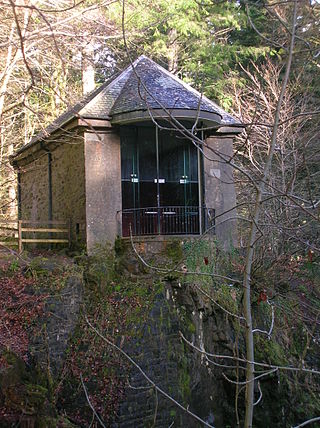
[19,237]
[69,231]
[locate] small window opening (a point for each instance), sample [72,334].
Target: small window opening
[77,228]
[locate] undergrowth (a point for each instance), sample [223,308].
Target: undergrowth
[117,306]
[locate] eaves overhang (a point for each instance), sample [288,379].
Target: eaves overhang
[206,117]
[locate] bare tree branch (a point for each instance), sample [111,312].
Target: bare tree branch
[150,381]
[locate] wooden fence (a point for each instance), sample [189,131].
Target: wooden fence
[9,233]
[13,232]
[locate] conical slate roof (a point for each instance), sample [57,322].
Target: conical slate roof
[158,88]
[148,86]
[140,90]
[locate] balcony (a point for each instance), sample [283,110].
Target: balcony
[169,220]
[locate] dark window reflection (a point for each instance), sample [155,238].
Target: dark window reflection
[147,154]
[178,168]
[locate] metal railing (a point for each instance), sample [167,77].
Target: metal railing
[170,220]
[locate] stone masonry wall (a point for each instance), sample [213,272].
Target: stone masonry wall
[220,190]
[68,186]
[34,189]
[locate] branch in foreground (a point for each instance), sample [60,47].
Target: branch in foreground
[15,254]
[309,421]
[268,333]
[90,404]
[243,360]
[150,381]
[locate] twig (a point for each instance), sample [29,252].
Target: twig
[268,333]
[136,365]
[260,397]
[251,380]
[243,360]
[156,408]
[309,421]
[218,304]
[90,404]
[272,42]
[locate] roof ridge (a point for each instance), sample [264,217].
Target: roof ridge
[131,69]
[187,86]
[110,84]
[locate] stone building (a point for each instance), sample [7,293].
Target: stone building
[123,161]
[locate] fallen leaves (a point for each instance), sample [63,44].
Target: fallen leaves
[19,307]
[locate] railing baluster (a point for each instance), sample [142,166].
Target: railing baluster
[171,220]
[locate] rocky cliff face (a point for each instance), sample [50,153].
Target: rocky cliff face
[162,321]
[176,367]
[204,311]
[41,311]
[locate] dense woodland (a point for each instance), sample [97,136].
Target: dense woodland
[258,59]
[233,52]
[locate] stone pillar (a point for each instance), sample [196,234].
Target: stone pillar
[220,190]
[103,187]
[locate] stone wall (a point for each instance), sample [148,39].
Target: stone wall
[103,187]
[68,186]
[34,189]
[220,190]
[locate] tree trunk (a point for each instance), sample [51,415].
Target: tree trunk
[88,73]
[252,238]
[173,51]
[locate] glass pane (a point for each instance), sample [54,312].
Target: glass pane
[191,195]
[178,166]
[148,194]
[128,153]
[178,158]
[130,195]
[176,194]
[147,154]
[171,156]
[171,194]
[193,162]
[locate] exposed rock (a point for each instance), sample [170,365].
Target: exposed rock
[174,367]
[61,316]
